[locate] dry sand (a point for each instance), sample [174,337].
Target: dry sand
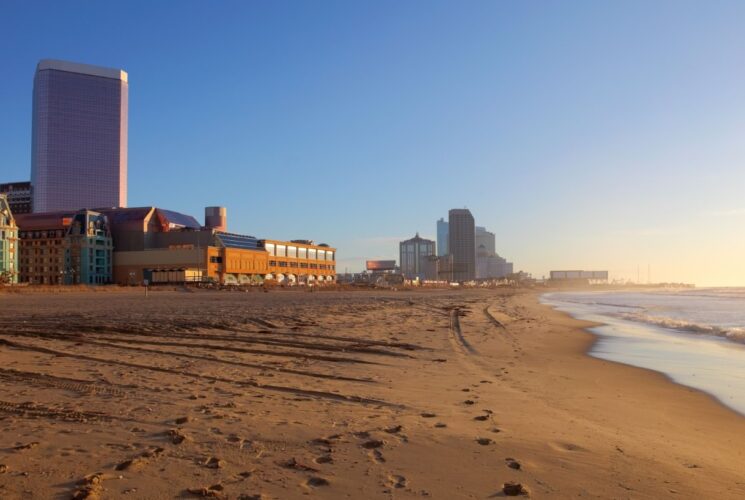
[437,394]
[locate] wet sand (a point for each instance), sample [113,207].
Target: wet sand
[440,394]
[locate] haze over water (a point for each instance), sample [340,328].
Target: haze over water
[696,337]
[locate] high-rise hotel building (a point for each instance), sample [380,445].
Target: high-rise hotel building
[461,244]
[79,137]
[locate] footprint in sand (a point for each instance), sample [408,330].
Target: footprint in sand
[141,460]
[565,446]
[373,444]
[377,456]
[317,481]
[90,487]
[512,463]
[235,439]
[214,463]
[176,436]
[396,481]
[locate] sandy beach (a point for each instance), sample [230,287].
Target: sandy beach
[369,394]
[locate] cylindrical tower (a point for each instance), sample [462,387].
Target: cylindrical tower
[216,218]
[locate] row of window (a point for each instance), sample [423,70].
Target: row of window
[298,252]
[55,233]
[301,265]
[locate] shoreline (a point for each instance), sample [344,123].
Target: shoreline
[597,337]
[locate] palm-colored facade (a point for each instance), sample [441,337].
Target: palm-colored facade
[8,243]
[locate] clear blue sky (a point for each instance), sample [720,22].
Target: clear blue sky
[603,135]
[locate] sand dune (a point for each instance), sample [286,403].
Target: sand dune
[440,394]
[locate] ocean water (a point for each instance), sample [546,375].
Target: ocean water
[694,336]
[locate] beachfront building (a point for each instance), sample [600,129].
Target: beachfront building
[19,196]
[65,248]
[154,245]
[79,137]
[163,246]
[300,261]
[461,244]
[413,254]
[8,243]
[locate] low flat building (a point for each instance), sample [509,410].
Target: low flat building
[65,248]
[300,260]
[8,243]
[579,276]
[162,246]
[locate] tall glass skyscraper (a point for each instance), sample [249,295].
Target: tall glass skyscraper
[442,237]
[79,137]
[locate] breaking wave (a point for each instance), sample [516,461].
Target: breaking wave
[736,334]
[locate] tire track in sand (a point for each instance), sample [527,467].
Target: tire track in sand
[456,334]
[69,384]
[240,383]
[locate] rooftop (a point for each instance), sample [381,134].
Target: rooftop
[83,69]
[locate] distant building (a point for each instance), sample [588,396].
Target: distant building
[461,244]
[492,266]
[485,241]
[19,196]
[584,276]
[444,265]
[79,137]
[442,237]
[413,254]
[489,265]
[503,268]
[65,248]
[8,243]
